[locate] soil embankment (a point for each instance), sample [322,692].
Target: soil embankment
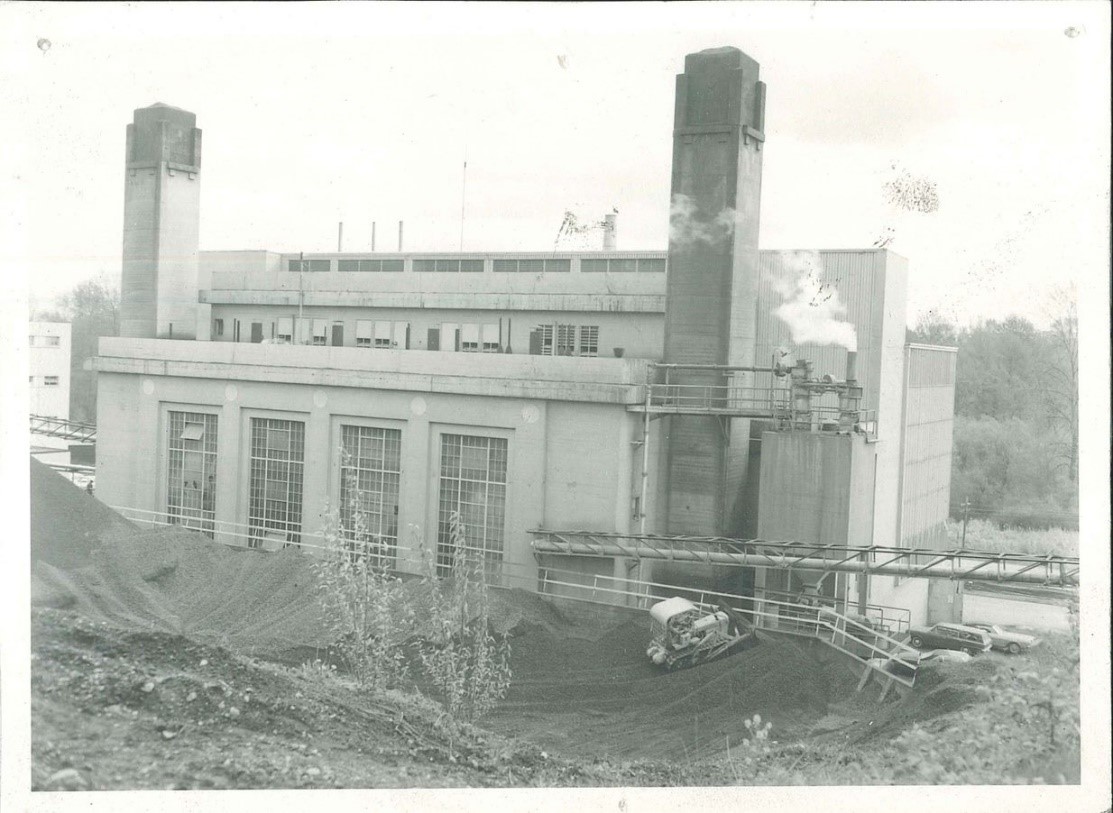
[582,685]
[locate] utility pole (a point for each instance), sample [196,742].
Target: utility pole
[965,519]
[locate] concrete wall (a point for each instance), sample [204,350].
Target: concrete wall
[48,359]
[569,463]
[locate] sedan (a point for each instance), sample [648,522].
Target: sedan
[1005,640]
[950,636]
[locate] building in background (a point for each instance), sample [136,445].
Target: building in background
[48,383]
[625,392]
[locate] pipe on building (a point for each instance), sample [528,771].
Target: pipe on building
[372,235]
[399,235]
[610,232]
[340,236]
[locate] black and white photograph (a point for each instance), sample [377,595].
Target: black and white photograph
[540,405]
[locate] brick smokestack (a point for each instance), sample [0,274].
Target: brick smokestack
[711,290]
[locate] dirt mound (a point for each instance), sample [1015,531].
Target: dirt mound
[178,581]
[66,523]
[603,697]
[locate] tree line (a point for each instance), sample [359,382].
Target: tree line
[1016,417]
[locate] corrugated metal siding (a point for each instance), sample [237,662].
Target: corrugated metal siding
[928,443]
[859,279]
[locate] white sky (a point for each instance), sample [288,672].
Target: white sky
[316,114]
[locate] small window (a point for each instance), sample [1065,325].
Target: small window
[448,266]
[218,327]
[531,266]
[309,266]
[545,334]
[557,266]
[469,338]
[320,332]
[365,333]
[616,266]
[392,266]
[471,266]
[490,338]
[655,266]
[347,266]
[593,266]
[566,340]
[285,331]
[193,431]
[382,334]
[424,266]
[589,340]
[52,341]
[505,266]
[50,381]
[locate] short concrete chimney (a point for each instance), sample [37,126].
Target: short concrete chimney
[610,232]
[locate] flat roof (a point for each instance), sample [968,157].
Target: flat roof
[553,378]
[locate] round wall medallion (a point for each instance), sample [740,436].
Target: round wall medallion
[418,405]
[320,399]
[531,414]
[230,392]
[148,386]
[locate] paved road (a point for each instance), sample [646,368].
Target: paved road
[1015,613]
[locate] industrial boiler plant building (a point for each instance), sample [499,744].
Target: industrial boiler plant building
[620,392]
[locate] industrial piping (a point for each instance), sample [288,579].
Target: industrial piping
[964,565]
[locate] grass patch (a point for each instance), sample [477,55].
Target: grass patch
[986,535]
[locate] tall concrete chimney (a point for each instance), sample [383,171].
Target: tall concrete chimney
[610,232]
[399,235]
[372,235]
[162,215]
[711,290]
[340,236]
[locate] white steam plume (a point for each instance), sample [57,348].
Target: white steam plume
[687,226]
[811,308]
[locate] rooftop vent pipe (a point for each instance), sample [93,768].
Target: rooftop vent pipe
[610,232]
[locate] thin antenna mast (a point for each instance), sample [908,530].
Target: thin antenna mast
[463,198]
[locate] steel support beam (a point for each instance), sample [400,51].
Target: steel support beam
[961,565]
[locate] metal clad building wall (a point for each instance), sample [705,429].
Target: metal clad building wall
[928,443]
[859,279]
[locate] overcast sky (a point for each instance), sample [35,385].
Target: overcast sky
[318,113]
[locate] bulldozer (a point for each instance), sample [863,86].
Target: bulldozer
[684,635]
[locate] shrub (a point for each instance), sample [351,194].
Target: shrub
[365,605]
[467,665]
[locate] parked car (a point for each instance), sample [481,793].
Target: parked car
[950,636]
[906,663]
[1005,640]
